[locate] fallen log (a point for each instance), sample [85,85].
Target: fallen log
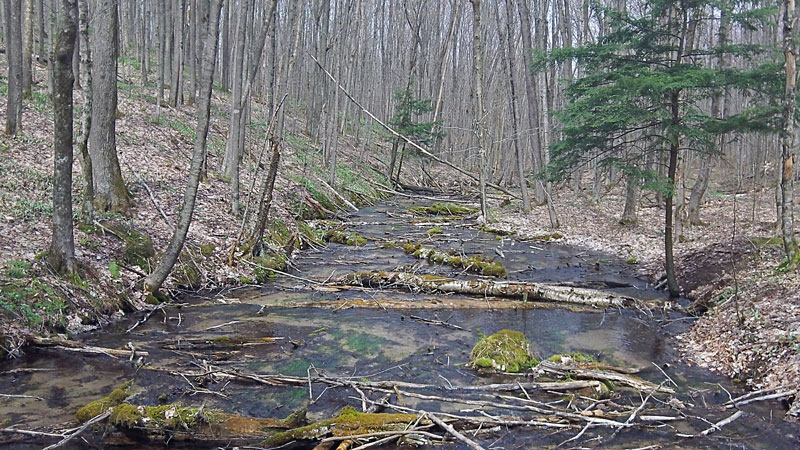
[79,347]
[476,263]
[509,289]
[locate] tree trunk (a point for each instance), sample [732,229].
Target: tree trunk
[672,282]
[27,52]
[480,113]
[13,29]
[265,201]
[630,213]
[86,112]
[176,87]
[508,54]
[230,163]
[154,281]
[788,138]
[61,255]
[531,88]
[109,187]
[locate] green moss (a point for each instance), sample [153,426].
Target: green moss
[568,358]
[207,249]
[267,264]
[125,416]
[96,407]
[548,237]
[632,260]
[476,263]
[504,351]
[340,237]
[347,422]
[139,250]
[442,209]
[434,230]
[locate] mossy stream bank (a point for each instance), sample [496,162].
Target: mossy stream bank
[226,354]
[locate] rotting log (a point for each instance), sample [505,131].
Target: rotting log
[476,263]
[509,289]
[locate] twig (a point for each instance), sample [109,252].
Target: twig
[90,422]
[469,442]
[232,322]
[145,318]
[715,427]
[30,432]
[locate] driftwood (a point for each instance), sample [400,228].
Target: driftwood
[510,289]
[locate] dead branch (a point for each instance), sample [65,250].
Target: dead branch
[76,433]
[469,442]
[74,346]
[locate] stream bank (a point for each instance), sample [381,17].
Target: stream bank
[338,342]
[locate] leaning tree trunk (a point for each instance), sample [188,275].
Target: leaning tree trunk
[154,281]
[257,236]
[61,255]
[13,29]
[788,138]
[109,187]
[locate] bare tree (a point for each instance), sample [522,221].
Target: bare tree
[154,281]
[61,255]
[86,111]
[27,50]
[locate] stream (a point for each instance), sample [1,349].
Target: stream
[370,334]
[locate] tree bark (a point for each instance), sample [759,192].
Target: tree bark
[480,114]
[154,281]
[13,30]
[109,187]
[61,255]
[789,136]
[27,51]
[508,289]
[86,112]
[176,87]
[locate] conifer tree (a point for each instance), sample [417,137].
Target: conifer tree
[645,86]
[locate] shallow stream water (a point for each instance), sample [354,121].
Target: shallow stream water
[321,331]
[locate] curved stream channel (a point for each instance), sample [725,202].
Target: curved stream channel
[376,335]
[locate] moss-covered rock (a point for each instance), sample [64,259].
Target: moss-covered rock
[96,407]
[504,351]
[569,358]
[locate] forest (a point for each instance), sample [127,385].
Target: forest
[342,224]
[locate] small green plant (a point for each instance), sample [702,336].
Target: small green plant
[18,269]
[113,268]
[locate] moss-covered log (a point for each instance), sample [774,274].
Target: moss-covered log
[510,289]
[348,422]
[442,209]
[475,263]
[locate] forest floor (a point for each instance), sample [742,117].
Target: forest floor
[752,333]
[752,330]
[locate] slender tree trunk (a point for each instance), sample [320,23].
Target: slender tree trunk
[61,255]
[672,282]
[154,281]
[13,29]
[789,135]
[630,213]
[27,51]
[480,113]
[109,187]
[508,55]
[86,113]
[265,200]
[176,87]
[531,88]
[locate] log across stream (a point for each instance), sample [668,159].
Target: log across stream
[320,346]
